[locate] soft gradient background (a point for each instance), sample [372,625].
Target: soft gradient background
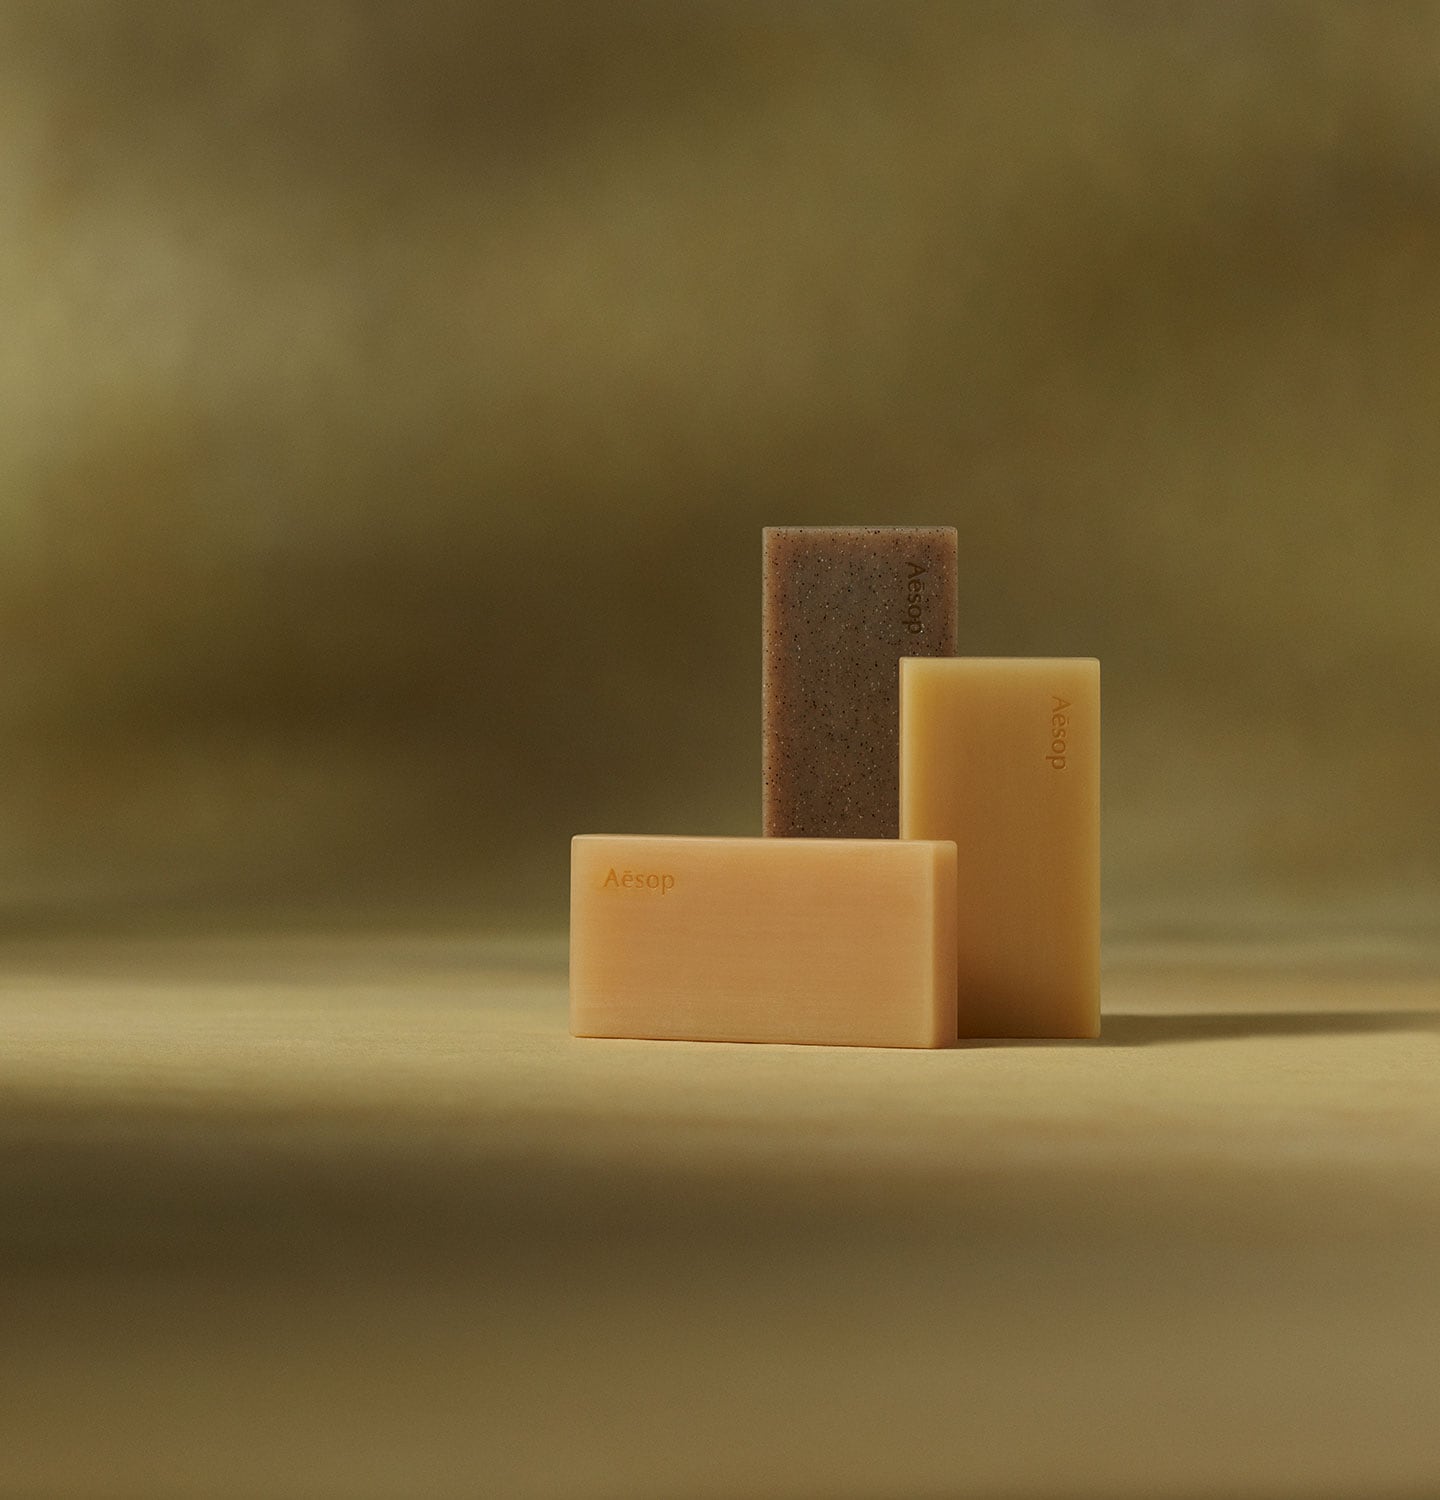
[391,398]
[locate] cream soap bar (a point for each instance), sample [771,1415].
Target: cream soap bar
[842,605]
[848,942]
[1002,755]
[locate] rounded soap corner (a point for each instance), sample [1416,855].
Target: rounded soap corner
[947,853]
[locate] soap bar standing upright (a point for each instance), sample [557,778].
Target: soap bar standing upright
[842,605]
[1003,755]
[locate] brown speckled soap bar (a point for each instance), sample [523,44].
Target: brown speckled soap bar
[842,605]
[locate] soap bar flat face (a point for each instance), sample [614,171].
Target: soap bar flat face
[845,942]
[842,605]
[1003,756]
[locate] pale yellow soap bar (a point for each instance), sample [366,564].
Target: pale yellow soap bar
[849,942]
[1002,755]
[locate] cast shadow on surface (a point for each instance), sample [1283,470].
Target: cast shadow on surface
[1220,1026]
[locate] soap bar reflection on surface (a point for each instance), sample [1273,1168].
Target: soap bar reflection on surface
[842,605]
[1003,755]
[831,941]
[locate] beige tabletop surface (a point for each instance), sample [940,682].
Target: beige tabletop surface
[352,1214]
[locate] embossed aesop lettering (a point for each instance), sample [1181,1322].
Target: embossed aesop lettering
[1059,723]
[915,599]
[639,880]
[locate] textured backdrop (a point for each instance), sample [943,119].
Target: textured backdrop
[391,398]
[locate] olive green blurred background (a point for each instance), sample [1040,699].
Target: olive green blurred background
[391,398]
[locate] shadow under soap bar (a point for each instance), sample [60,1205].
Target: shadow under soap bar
[1002,755]
[846,942]
[842,605]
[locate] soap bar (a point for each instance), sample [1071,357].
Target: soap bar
[842,605]
[1003,756]
[842,941]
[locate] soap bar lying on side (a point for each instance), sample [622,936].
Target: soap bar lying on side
[842,605]
[1003,756]
[849,942]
